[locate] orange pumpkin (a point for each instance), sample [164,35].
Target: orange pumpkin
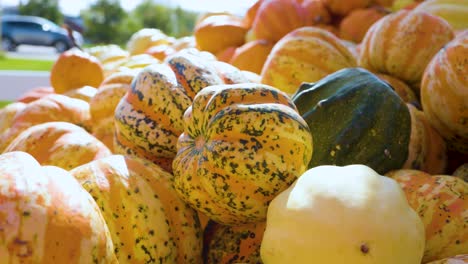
[47,217]
[232,244]
[276,18]
[252,55]
[342,8]
[440,201]
[427,149]
[317,12]
[146,218]
[306,54]
[444,93]
[401,88]
[74,69]
[403,43]
[35,93]
[60,144]
[354,26]
[217,32]
[251,14]
[53,107]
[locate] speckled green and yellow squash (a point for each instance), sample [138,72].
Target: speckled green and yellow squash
[441,202]
[148,119]
[148,222]
[47,217]
[356,118]
[233,244]
[459,259]
[242,145]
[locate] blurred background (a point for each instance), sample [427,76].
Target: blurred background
[113,21]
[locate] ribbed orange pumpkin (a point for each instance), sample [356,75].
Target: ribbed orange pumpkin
[440,200]
[60,144]
[444,93]
[47,217]
[402,44]
[218,32]
[354,26]
[342,8]
[306,54]
[75,68]
[251,13]
[427,149]
[8,113]
[53,107]
[252,55]
[35,93]
[233,244]
[242,145]
[148,222]
[293,13]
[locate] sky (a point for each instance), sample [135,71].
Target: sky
[73,7]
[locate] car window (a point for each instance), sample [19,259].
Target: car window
[25,25]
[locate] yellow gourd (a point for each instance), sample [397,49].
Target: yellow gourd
[339,215]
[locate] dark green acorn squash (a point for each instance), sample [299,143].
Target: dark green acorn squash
[355,118]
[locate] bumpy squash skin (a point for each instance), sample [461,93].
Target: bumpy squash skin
[60,144]
[46,217]
[233,244]
[402,44]
[148,222]
[355,118]
[441,202]
[148,119]
[242,145]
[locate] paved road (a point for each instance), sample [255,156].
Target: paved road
[34,52]
[15,83]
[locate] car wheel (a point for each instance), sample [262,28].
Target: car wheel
[60,46]
[8,44]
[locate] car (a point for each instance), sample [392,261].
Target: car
[38,31]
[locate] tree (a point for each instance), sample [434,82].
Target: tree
[102,21]
[43,8]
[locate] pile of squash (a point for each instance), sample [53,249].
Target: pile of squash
[306,131]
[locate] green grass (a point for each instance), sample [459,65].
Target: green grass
[25,64]
[3,104]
